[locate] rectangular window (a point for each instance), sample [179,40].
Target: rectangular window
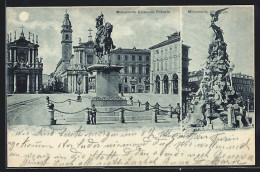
[140,58]
[140,80]
[126,69]
[125,80]
[147,58]
[140,69]
[133,69]
[133,58]
[126,58]
[147,70]
[81,57]
[118,57]
[90,59]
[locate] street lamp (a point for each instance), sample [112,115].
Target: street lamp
[79,81]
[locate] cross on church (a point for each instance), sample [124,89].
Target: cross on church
[66,11]
[22,28]
[90,30]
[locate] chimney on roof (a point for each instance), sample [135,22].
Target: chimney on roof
[134,48]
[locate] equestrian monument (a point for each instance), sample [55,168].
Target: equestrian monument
[107,75]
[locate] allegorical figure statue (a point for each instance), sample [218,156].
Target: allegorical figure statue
[103,42]
[216,29]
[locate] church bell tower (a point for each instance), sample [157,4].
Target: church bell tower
[66,42]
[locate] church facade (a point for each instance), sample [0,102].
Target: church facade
[71,67]
[24,68]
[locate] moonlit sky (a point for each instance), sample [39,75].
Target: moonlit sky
[140,30]
[129,30]
[237,24]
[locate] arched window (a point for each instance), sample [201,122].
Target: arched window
[157,85]
[166,84]
[175,83]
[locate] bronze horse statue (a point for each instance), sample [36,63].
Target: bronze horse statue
[103,41]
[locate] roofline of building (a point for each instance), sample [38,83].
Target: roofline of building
[186,46]
[167,42]
[130,51]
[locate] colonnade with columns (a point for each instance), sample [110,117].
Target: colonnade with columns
[168,83]
[33,82]
[74,87]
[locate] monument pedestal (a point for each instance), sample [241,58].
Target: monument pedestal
[107,79]
[79,99]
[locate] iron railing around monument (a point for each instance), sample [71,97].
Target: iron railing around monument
[156,110]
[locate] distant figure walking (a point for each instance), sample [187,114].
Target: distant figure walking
[93,114]
[178,111]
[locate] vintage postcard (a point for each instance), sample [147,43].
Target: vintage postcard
[130,86]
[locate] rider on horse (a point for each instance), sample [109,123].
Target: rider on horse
[103,41]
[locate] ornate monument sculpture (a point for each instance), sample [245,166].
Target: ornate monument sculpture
[216,100]
[103,42]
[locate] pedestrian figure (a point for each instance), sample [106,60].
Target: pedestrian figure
[178,111]
[93,114]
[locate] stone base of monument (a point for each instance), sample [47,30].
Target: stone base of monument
[109,101]
[107,79]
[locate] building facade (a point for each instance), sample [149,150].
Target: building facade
[24,68]
[166,68]
[135,76]
[194,80]
[242,83]
[71,67]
